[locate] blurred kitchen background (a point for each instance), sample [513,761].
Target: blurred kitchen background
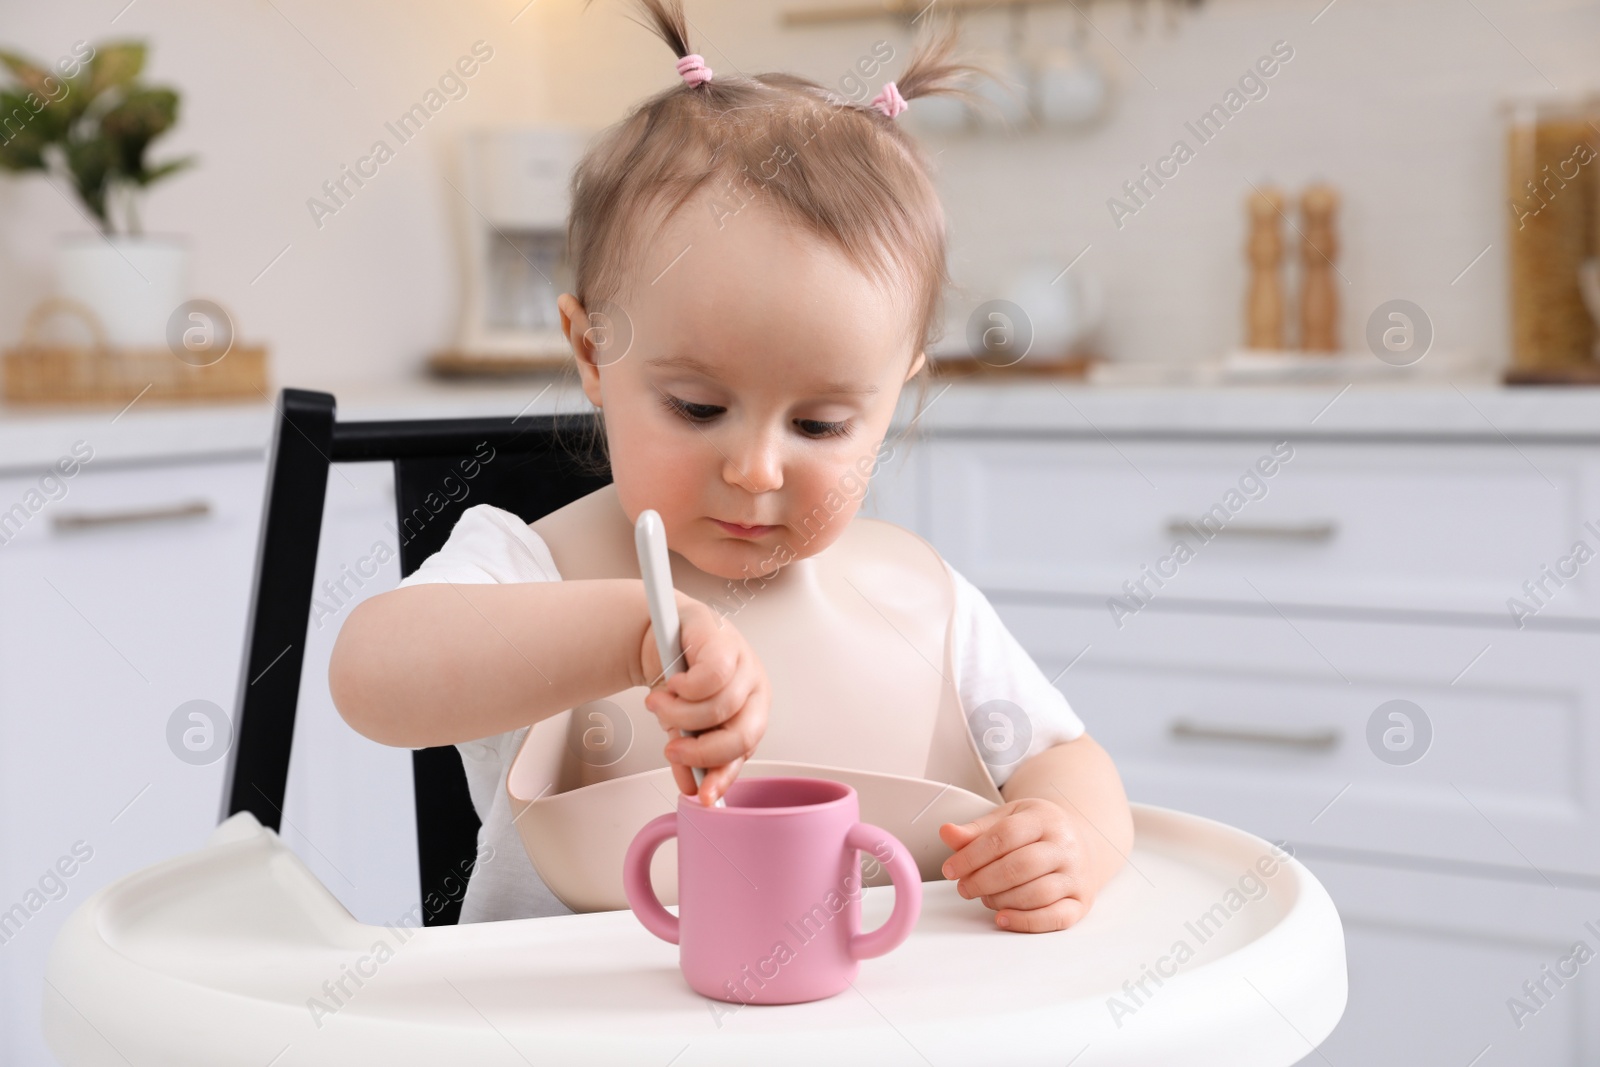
[1385,659]
[1396,104]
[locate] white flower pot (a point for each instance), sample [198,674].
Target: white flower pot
[131,284]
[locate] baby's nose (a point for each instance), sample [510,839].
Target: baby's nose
[757,468]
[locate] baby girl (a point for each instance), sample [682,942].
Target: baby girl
[759,266]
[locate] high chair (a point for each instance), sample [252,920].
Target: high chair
[531,473]
[1209,947]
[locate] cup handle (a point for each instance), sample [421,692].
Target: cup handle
[636,877]
[907,892]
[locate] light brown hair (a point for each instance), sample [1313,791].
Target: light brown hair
[839,168]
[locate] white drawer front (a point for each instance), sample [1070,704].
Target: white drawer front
[1437,965]
[1456,527]
[125,592]
[1264,723]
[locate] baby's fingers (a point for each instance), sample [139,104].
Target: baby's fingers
[711,666]
[1059,915]
[989,837]
[722,750]
[676,713]
[1041,892]
[716,783]
[684,776]
[1012,869]
[718,779]
[711,749]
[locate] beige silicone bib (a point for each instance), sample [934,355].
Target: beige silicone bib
[856,641]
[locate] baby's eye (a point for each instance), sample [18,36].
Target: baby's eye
[692,412]
[818,428]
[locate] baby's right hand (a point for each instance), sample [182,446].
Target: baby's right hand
[721,688]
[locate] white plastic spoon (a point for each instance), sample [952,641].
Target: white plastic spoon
[650,538]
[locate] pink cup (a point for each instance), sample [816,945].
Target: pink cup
[769,890]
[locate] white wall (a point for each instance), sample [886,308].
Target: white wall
[1393,101]
[268,107]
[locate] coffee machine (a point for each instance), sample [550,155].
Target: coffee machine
[512,225]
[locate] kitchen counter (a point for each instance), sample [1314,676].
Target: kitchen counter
[148,432]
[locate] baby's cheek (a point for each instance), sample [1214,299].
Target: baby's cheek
[824,502]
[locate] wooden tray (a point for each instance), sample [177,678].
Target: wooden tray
[53,374]
[969,366]
[453,364]
[1572,375]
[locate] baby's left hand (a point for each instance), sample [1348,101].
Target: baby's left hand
[1025,859]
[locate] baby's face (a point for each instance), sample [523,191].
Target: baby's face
[760,378]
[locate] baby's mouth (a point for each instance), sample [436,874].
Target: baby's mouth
[739,530]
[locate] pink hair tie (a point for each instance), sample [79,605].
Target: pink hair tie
[889,101]
[694,70]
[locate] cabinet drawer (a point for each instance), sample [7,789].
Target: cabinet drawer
[1457,527]
[1267,722]
[112,624]
[114,618]
[1437,961]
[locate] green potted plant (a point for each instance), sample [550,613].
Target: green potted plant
[86,124]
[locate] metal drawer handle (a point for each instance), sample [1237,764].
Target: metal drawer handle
[1308,531]
[85,520]
[1184,730]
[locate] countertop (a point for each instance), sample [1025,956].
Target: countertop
[32,439]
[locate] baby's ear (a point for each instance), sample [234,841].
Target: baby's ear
[916,365]
[575,325]
[573,313]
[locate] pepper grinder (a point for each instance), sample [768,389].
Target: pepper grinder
[1264,302]
[1319,246]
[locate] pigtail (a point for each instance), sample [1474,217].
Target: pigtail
[666,20]
[933,69]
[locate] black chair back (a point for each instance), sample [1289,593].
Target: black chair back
[524,464]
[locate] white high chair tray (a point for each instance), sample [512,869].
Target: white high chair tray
[213,958]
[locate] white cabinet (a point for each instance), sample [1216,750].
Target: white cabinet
[1265,722]
[1462,969]
[1253,676]
[119,601]
[1417,525]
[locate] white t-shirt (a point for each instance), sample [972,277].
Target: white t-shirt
[489,544]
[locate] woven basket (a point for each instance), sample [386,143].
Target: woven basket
[97,373]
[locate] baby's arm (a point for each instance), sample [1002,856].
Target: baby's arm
[1039,859]
[438,664]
